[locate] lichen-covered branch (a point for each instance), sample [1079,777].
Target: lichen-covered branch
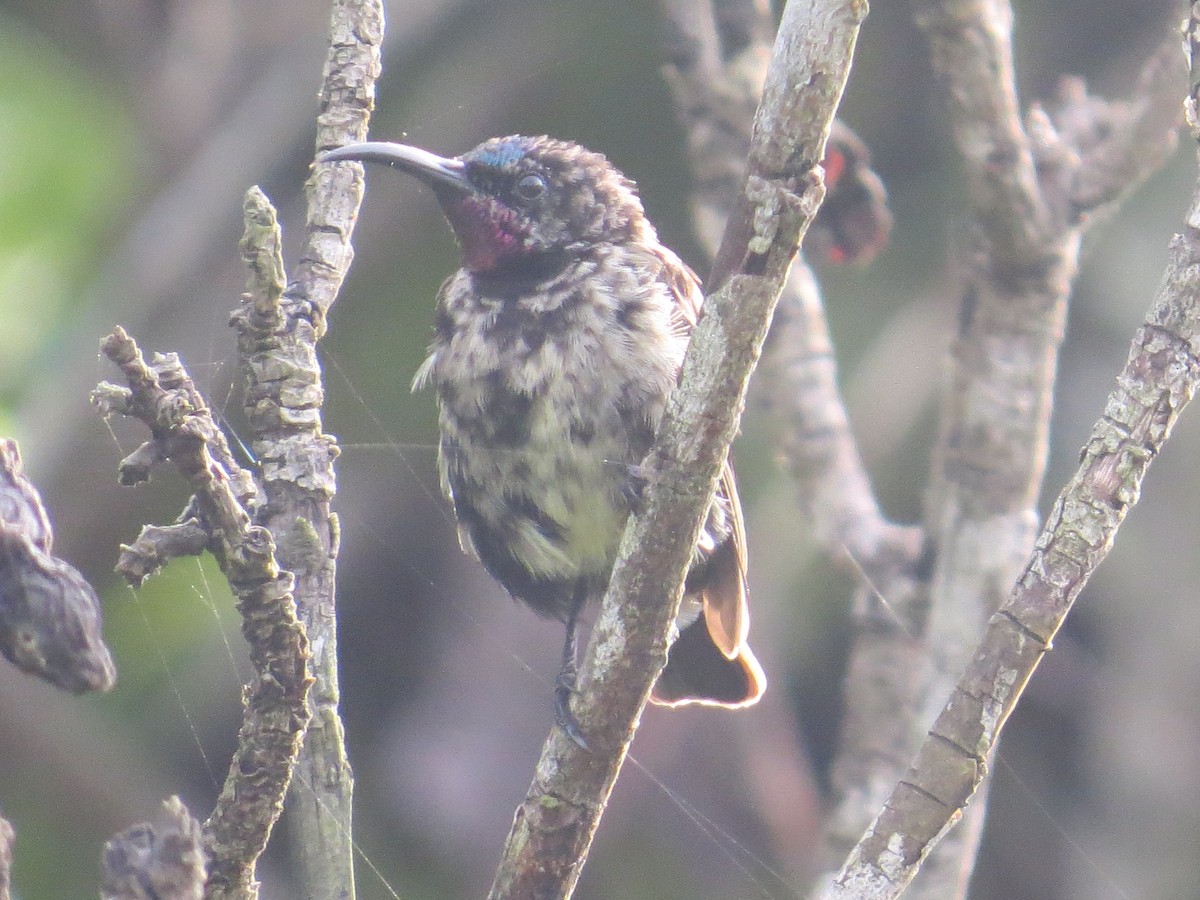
[1160,377]
[716,78]
[1020,257]
[1028,187]
[283,395]
[1012,320]
[716,71]
[278,331]
[156,545]
[1025,183]
[553,828]
[276,539]
[156,860]
[164,398]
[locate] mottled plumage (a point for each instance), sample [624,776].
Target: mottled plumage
[555,348]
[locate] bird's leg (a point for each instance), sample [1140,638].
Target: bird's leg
[564,685]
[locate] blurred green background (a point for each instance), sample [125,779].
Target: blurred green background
[129,130]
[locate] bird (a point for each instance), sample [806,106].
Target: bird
[556,345]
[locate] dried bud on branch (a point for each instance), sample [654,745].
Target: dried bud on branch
[49,615]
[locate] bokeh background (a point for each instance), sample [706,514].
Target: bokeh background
[129,130]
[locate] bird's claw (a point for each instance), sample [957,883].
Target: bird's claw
[565,719]
[634,479]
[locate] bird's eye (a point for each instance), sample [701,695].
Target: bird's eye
[531,187]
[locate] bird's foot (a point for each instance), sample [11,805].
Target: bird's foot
[634,478]
[564,687]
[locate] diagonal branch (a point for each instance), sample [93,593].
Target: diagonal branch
[716,79]
[1160,377]
[1020,260]
[993,440]
[715,82]
[553,828]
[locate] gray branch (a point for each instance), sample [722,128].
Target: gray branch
[156,545]
[247,526]
[164,398]
[716,83]
[1025,181]
[154,861]
[278,331]
[554,826]
[988,482]
[1159,379]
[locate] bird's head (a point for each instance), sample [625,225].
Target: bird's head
[513,201]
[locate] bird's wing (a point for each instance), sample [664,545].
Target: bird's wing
[723,587]
[684,285]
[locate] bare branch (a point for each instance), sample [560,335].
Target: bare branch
[971,44]
[277,334]
[716,84]
[1122,142]
[163,397]
[715,87]
[163,860]
[1020,261]
[277,341]
[553,828]
[156,545]
[1160,377]
[992,448]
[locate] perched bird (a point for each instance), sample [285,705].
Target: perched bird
[854,222]
[556,345]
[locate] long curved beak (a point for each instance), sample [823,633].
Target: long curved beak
[429,167]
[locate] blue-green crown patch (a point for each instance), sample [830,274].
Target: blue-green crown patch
[502,153]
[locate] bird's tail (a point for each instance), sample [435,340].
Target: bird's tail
[698,672]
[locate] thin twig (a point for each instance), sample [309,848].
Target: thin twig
[157,545]
[164,859]
[163,397]
[553,828]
